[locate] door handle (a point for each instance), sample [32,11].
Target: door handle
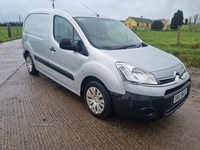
[52,49]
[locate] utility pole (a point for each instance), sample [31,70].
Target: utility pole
[53,3]
[19,18]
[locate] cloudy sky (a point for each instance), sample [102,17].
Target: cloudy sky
[10,10]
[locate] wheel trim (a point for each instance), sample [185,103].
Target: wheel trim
[95,100]
[29,64]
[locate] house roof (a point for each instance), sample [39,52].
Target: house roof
[142,20]
[158,19]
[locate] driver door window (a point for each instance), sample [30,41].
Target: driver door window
[64,29]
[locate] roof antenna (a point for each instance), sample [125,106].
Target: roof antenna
[89,8]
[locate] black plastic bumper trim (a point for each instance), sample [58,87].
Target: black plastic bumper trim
[131,104]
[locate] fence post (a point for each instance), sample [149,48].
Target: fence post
[17,30]
[178,35]
[9,31]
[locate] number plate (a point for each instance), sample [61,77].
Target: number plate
[180,95]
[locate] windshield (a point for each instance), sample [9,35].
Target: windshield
[107,33]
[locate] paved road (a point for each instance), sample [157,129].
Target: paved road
[37,113]
[10,59]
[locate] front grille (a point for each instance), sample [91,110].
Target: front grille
[169,105]
[171,78]
[176,88]
[175,106]
[165,81]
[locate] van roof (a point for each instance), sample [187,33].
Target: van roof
[72,13]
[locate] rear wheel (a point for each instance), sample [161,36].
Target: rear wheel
[30,65]
[97,100]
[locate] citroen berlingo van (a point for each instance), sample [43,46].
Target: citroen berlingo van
[103,61]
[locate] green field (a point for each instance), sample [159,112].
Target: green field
[16,33]
[188,51]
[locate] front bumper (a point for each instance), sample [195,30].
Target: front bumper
[149,107]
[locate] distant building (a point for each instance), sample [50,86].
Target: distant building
[142,23]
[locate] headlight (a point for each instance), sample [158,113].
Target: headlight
[135,75]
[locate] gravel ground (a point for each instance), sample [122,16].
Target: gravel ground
[37,113]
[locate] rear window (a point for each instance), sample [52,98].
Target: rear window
[37,25]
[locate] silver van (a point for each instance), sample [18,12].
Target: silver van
[103,61]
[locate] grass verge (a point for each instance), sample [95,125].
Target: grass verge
[187,51]
[16,33]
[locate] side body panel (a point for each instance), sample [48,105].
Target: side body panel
[36,39]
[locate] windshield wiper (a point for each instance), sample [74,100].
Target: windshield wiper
[126,46]
[106,47]
[142,45]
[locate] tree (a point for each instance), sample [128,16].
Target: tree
[186,21]
[177,20]
[157,25]
[190,20]
[196,19]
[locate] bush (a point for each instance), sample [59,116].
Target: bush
[157,25]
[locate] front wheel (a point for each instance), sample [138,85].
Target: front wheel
[30,65]
[97,100]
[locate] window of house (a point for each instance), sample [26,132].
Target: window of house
[138,24]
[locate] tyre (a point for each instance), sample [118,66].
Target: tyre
[30,65]
[97,100]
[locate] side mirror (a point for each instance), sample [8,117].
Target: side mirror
[66,44]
